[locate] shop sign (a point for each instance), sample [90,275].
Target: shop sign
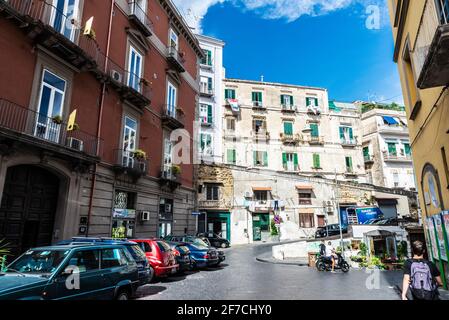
[124,213]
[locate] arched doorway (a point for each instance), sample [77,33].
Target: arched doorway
[28,207]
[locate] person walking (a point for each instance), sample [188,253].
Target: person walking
[421,277]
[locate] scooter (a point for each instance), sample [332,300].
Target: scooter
[325,264]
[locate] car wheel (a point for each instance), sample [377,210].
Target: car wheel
[224,245]
[152,275]
[122,295]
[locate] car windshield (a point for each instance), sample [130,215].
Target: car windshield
[200,242]
[138,252]
[183,249]
[38,261]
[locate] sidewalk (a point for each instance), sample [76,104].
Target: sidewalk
[268,258]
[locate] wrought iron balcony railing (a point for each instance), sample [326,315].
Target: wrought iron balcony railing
[131,162]
[173,117]
[139,16]
[176,58]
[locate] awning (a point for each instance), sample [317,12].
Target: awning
[333,106]
[262,189]
[380,233]
[304,187]
[390,120]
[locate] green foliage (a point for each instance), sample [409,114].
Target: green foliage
[371,106]
[363,249]
[376,262]
[4,252]
[274,229]
[402,250]
[176,169]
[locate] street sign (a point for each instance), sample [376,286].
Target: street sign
[195,213]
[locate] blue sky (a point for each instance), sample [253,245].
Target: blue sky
[294,41]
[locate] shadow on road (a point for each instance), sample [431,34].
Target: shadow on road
[149,290]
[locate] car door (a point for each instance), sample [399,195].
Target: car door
[85,280]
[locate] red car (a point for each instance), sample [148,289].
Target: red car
[160,255]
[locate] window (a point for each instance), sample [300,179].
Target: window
[349,167]
[261,195]
[111,258]
[168,147]
[51,102]
[392,151]
[305,198]
[207,60]
[286,100]
[230,124]
[88,260]
[166,209]
[134,69]
[306,220]
[315,130]
[206,85]
[290,161]
[288,128]
[346,135]
[257,99]
[259,125]
[395,178]
[206,113]
[212,191]
[312,102]
[206,144]
[410,79]
[366,153]
[231,156]
[316,161]
[173,39]
[172,96]
[129,142]
[62,13]
[407,150]
[144,246]
[260,158]
[229,93]
[443,11]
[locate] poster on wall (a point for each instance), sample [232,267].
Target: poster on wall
[433,240]
[440,236]
[445,216]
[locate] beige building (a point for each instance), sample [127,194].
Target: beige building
[386,148]
[293,129]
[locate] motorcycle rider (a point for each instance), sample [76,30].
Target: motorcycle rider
[331,254]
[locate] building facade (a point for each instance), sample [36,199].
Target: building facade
[211,94]
[386,149]
[419,32]
[130,71]
[287,128]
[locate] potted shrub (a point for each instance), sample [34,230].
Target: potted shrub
[57,119]
[145,82]
[75,126]
[140,154]
[176,170]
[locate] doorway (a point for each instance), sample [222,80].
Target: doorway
[219,223]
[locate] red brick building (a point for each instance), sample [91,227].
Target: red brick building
[132,79]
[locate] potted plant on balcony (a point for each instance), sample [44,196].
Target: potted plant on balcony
[145,82]
[140,154]
[75,127]
[176,170]
[91,34]
[57,119]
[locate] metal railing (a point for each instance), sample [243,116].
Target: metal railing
[348,142]
[67,25]
[130,159]
[368,158]
[49,129]
[206,120]
[137,11]
[175,54]
[316,140]
[398,157]
[258,104]
[204,89]
[173,112]
[289,108]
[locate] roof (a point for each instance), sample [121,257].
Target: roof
[206,39]
[284,85]
[79,245]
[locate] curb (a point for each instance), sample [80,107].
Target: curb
[292,263]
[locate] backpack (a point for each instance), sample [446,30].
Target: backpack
[422,284]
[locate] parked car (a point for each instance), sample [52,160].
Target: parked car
[160,256]
[202,256]
[197,241]
[75,271]
[373,221]
[330,230]
[215,240]
[146,272]
[182,255]
[387,222]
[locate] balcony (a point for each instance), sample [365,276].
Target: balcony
[313,111]
[214,204]
[349,143]
[206,91]
[130,86]
[368,159]
[397,158]
[206,121]
[290,139]
[350,173]
[23,125]
[168,179]
[287,108]
[258,105]
[431,51]
[260,135]
[130,163]
[173,117]
[291,167]
[139,18]
[56,31]
[316,140]
[394,129]
[176,59]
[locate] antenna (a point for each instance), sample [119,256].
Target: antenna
[261,78]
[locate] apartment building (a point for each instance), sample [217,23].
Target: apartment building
[210,103]
[420,35]
[386,148]
[90,94]
[294,129]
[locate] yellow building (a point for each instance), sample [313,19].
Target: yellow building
[421,35]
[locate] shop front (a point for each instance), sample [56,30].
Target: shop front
[123,215]
[261,226]
[220,224]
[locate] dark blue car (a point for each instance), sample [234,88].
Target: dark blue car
[146,273]
[201,256]
[76,272]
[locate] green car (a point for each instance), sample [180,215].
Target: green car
[76,272]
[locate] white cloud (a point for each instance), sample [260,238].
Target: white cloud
[290,10]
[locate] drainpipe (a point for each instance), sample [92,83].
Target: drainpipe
[100,118]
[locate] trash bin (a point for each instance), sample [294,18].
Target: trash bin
[312,259]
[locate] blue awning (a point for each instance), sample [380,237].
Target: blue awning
[390,120]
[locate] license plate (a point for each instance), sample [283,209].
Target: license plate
[174,270]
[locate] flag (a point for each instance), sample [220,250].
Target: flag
[71,122]
[234,103]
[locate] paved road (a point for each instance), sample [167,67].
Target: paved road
[242,277]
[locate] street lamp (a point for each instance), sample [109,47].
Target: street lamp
[337,204]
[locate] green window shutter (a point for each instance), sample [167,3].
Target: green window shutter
[282,99]
[295,160]
[288,128]
[342,133]
[254,94]
[232,94]
[255,157]
[316,102]
[316,161]
[231,156]
[392,149]
[408,150]
[209,57]
[307,102]
[209,114]
[351,134]
[349,163]
[227,94]
[284,159]
[265,159]
[366,152]
[209,83]
[315,131]
[291,100]
[202,141]
[234,156]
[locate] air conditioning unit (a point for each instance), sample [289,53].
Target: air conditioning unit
[328,203]
[76,144]
[145,216]
[248,195]
[116,76]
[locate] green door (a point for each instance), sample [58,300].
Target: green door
[261,223]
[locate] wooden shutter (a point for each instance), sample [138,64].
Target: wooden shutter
[295,160]
[291,100]
[342,133]
[315,131]
[288,128]
[284,159]
[316,161]
[209,113]
[265,159]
